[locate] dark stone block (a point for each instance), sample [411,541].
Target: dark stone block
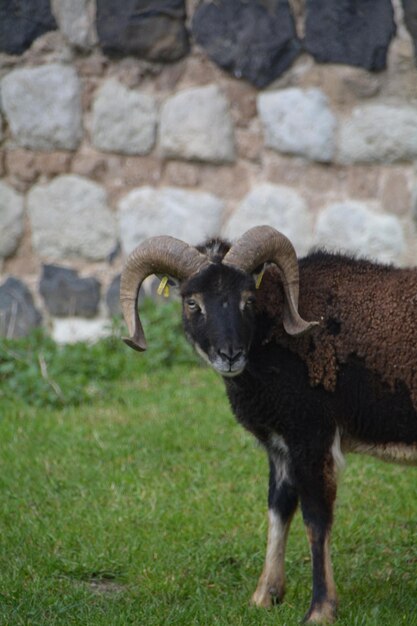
[410,18]
[253,40]
[18,315]
[23,21]
[66,294]
[150,29]
[354,32]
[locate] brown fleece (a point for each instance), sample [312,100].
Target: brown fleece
[364,309]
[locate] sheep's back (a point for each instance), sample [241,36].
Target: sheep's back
[363,309]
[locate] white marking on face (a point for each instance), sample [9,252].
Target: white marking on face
[203,355]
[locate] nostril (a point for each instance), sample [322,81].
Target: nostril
[224,355]
[230,355]
[236,355]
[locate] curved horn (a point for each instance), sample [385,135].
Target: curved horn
[157,255]
[263,244]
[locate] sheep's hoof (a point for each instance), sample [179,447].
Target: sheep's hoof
[266,596]
[323,613]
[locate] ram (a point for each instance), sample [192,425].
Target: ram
[318,361]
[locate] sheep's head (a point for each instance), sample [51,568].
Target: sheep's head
[218,297]
[218,316]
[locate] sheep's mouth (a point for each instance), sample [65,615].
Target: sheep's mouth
[228,369]
[231,373]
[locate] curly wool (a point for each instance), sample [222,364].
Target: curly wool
[364,310]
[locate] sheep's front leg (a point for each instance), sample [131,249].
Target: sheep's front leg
[282,503]
[317,490]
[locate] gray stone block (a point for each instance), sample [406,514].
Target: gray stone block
[43,107]
[196,124]
[378,133]
[76,21]
[297,121]
[189,215]
[124,120]
[277,206]
[354,228]
[70,218]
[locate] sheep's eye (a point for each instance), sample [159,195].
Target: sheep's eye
[192,304]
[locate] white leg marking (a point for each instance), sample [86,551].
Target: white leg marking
[271,585]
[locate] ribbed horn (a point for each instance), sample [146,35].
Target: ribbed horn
[264,244]
[157,255]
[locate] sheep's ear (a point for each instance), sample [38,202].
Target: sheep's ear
[175,283]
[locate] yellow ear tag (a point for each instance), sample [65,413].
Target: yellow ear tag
[163,288]
[259,279]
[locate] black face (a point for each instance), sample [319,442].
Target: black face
[218,316]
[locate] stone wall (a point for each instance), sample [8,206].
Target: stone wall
[114,128]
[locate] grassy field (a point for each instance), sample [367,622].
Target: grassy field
[141,501]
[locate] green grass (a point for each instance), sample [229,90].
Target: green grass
[145,504]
